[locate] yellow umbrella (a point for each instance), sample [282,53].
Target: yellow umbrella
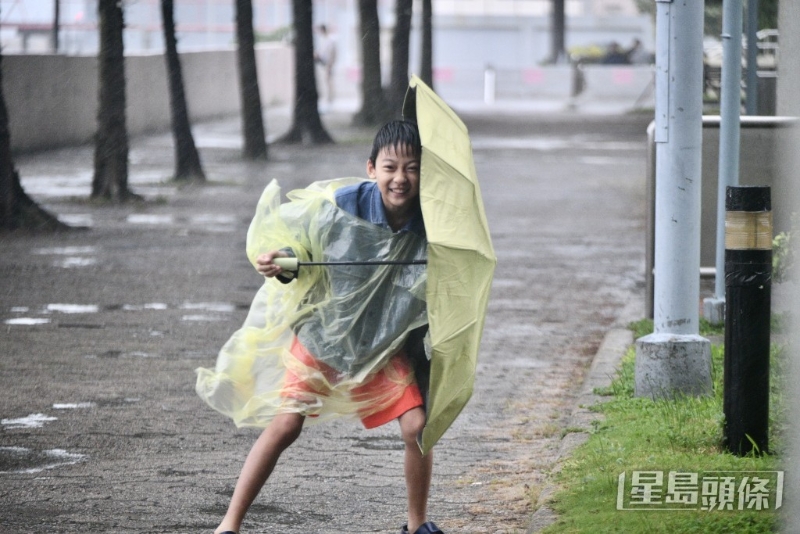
[461,259]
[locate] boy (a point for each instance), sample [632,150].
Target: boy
[353,338]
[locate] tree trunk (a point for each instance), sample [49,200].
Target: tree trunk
[426,64]
[110,179]
[558,30]
[400,42]
[374,109]
[187,160]
[307,127]
[255,144]
[17,209]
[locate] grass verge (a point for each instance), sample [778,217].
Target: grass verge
[681,436]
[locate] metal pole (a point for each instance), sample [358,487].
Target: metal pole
[748,273]
[679,130]
[751,101]
[675,359]
[729,139]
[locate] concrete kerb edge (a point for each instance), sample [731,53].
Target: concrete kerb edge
[600,374]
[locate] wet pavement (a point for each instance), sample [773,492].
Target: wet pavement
[101,330]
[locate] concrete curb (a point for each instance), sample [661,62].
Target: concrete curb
[600,374]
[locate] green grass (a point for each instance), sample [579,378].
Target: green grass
[637,434]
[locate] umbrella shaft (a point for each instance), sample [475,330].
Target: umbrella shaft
[366,262]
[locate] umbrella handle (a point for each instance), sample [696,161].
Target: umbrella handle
[287,264]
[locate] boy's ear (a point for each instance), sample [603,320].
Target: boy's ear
[370,169]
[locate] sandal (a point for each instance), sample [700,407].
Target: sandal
[426,528]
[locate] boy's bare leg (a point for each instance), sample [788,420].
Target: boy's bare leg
[418,468]
[279,434]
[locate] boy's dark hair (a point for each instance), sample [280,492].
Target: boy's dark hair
[397,133]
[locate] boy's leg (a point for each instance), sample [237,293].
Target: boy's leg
[282,431]
[418,468]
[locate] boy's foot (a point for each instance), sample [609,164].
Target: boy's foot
[426,528]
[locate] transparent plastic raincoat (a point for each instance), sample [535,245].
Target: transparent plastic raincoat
[352,319]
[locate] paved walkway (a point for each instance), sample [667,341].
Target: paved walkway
[101,331]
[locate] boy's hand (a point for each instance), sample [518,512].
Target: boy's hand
[265,266]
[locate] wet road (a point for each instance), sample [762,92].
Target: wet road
[101,330]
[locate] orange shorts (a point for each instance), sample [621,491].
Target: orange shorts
[381,385]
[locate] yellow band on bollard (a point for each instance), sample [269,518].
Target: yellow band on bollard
[748,230]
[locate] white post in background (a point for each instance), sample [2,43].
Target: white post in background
[751,100]
[675,359]
[729,140]
[489,85]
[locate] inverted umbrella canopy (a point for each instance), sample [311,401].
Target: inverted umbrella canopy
[461,258]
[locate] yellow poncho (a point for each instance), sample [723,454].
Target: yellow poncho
[353,318]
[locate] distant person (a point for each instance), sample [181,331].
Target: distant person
[615,55]
[637,55]
[325,56]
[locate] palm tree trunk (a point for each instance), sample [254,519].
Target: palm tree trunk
[558,29]
[255,144]
[17,209]
[307,126]
[426,65]
[374,109]
[187,160]
[400,42]
[110,179]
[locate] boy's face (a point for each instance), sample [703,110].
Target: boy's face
[396,170]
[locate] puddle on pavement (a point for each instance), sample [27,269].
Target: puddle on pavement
[42,185]
[65,251]
[73,308]
[148,306]
[69,263]
[34,420]
[85,309]
[27,321]
[73,405]
[147,218]
[222,307]
[23,460]
[201,318]
[75,256]
[219,141]
[117,401]
[508,282]
[211,218]
[214,307]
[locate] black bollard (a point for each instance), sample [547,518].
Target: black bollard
[748,274]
